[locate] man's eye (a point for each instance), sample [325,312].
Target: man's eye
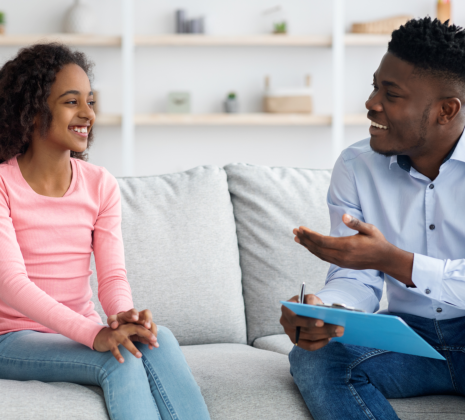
[374,86]
[391,95]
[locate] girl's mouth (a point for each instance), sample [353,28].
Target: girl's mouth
[80,130]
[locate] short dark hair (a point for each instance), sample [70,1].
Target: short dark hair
[25,84]
[432,47]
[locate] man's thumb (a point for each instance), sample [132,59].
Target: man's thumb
[355,224]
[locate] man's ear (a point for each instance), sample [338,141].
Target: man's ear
[450,107]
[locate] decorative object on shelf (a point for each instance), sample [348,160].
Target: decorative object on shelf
[231,105]
[383,26]
[179,103]
[443,10]
[276,20]
[189,26]
[2,23]
[80,18]
[280,28]
[288,100]
[180,21]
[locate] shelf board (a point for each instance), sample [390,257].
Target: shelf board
[356,119]
[196,40]
[231,119]
[251,40]
[367,40]
[68,39]
[108,119]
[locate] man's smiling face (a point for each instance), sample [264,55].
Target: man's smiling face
[400,108]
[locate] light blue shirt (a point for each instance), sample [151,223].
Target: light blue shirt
[413,213]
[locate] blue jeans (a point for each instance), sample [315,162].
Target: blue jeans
[159,385]
[353,382]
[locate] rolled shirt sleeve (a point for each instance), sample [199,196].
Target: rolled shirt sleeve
[441,280]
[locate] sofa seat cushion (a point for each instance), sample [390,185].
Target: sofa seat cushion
[182,256]
[36,400]
[240,382]
[434,407]
[279,343]
[237,382]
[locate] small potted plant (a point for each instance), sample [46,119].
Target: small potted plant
[2,23]
[280,28]
[231,106]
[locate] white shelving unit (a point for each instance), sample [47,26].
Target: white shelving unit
[128,42]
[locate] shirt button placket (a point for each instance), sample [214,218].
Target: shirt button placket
[429,214]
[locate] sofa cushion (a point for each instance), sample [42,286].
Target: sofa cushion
[268,204]
[279,343]
[434,407]
[240,382]
[182,256]
[245,388]
[54,400]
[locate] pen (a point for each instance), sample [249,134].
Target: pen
[302,298]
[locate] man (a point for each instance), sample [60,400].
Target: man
[397,207]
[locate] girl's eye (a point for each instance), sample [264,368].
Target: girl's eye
[91,103]
[72,102]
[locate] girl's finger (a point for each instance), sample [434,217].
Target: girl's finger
[145,318]
[117,354]
[129,316]
[127,343]
[112,322]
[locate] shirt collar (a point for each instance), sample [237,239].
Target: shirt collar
[456,153]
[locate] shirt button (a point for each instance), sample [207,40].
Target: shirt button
[439,310]
[427,291]
[431,186]
[432,227]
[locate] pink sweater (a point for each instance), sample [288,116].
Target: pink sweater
[45,249]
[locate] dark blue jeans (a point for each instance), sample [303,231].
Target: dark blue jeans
[356,381]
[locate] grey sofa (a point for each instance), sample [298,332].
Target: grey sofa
[210,251]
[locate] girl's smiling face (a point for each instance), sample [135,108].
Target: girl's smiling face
[71,105]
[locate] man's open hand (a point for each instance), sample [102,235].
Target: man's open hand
[314,333]
[368,249]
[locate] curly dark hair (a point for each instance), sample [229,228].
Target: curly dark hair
[25,84]
[433,47]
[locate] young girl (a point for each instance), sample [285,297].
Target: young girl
[55,210]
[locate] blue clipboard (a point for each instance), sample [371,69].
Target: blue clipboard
[384,332]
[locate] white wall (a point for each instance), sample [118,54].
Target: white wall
[209,73]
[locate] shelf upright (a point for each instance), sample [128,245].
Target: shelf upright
[127,54]
[338,79]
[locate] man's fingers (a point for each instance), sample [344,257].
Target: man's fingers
[313,345]
[356,224]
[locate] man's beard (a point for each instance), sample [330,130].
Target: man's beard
[420,141]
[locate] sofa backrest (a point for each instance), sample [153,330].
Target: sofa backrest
[268,204]
[181,254]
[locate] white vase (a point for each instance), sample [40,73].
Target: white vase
[79,19]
